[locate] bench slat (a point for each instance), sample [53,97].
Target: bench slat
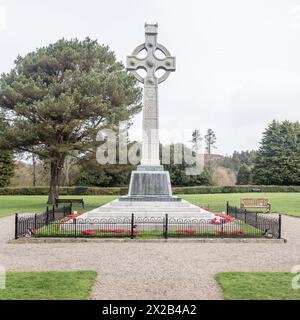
[256,203]
[73,200]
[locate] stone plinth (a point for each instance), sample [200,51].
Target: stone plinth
[150,183]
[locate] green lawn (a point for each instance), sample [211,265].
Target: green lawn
[48,285]
[288,203]
[258,286]
[14,204]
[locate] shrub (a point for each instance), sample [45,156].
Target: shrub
[234,189]
[117,191]
[64,190]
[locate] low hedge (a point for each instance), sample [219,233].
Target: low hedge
[81,190]
[64,190]
[234,189]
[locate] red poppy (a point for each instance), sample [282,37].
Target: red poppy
[88,232]
[238,232]
[74,215]
[118,231]
[134,232]
[228,218]
[113,230]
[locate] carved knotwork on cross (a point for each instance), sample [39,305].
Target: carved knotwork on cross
[151,63]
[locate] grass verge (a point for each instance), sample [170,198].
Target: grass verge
[48,285]
[258,286]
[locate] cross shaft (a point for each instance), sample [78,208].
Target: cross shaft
[151,63]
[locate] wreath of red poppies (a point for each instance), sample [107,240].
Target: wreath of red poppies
[218,220]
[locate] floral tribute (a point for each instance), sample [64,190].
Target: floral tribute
[221,218]
[218,220]
[235,232]
[118,231]
[112,230]
[75,215]
[71,216]
[89,232]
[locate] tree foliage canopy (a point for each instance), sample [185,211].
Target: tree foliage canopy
[278,158]
[6,160]
[58,97]
[244,175]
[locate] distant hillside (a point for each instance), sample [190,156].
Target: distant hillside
[222,175]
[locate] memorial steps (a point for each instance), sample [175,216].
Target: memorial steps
[116,208]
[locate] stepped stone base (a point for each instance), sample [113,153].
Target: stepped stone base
[143,167]
[150,198]
[150,195]
[117,215]
[180,209]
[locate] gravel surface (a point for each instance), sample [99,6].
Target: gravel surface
[153,270]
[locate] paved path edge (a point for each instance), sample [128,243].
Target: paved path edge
[206,240]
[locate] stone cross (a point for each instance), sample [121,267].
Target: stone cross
[151,63]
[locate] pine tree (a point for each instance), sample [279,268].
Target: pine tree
[278,158]
[210,139]
[58,97]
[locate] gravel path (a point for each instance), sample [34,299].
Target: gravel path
[153,270]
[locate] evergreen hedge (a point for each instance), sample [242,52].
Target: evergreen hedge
[81,190]
[234,189]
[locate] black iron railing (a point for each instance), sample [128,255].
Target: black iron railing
[58,222]
[269,225]
[27,224]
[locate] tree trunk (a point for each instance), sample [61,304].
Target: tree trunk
[33,170]
[209,157]
[55,170]
[66,170]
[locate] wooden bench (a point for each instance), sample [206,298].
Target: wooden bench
[256,203]
[64,200]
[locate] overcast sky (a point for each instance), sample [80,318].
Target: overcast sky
[238,62]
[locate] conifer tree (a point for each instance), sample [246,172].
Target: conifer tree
[57,98]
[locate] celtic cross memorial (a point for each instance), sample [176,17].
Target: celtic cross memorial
[150,181]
